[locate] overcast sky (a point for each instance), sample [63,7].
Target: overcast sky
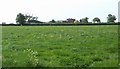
[47,10]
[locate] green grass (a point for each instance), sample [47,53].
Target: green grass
[0,47]
[60,46]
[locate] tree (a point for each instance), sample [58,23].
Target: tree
[52,21]
[28,18]
[84,20]
[31,19]
[111,18]
[96,19]
[20,19]
[76,21]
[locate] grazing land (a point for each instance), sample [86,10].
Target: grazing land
[60,46]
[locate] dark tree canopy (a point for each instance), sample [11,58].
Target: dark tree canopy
[84,20]
[20,19]
[31,19]
[109,15]
[53,20]
[111,18]
[96,19]
[26,19]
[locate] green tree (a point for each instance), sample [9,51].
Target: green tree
[96,19]
[20,19]
[31,19]
[111,18]
[76,21]
[52,21]
[84,20]
[28,18]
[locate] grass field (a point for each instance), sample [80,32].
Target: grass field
[60,46]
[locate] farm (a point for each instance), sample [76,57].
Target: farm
[60,46]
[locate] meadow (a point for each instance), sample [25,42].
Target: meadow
[60,46]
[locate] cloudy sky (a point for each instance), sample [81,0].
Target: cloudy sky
[47,10]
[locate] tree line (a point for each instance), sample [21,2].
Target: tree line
[28,19]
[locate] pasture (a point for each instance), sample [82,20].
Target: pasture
[60,46]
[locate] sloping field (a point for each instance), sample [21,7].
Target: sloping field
[60,46]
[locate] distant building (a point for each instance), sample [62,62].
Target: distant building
[62,21]
[70,20]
